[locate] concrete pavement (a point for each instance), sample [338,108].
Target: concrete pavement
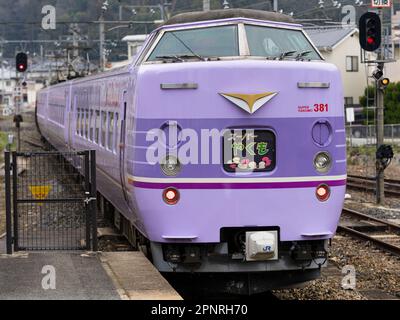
[77,275]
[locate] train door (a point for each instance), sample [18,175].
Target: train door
[71,119]
[122,150]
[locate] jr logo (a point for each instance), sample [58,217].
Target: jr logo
[267,249]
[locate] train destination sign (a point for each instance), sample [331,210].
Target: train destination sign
[249,150]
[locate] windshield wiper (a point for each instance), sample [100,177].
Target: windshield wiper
[187,47]
[301,55]
[171,57]
[179,57]
[286,54]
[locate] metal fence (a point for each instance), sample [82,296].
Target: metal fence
[358,135]
[50,200]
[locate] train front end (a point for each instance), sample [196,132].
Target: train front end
[239,168]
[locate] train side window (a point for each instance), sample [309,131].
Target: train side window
[110,130]
[103,128]
[116,131]
[78,120]
[82,122]
[91,125]
[85,123]
[97,127]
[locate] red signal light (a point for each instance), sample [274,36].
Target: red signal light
[21,62]
[370,40]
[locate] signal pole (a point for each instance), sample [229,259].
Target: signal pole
[206,5]
[380,175]
[275,5]
[380,122]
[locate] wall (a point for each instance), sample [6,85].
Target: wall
[354,82]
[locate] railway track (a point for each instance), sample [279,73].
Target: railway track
[392,186]
[381,233]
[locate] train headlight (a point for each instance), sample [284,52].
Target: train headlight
[322,162]
[170,165]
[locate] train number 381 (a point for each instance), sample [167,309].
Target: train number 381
[321,107]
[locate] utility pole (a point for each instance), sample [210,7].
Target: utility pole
[101,43]
[74,29]
[206,5]
[275,5]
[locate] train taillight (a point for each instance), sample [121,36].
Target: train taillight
[171,196]
[323,192]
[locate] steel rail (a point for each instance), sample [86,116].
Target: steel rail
[367,184]
[390,225]
[389,181]
[378,243]
[388,247]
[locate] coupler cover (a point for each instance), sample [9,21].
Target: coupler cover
[261,245]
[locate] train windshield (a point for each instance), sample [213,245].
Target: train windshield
[229,41]
[276,42]
[201,42]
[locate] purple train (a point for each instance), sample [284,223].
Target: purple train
[221,147]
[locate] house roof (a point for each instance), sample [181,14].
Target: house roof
[327,39]
[229,13]
[135,38]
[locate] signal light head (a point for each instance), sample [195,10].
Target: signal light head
[171,196]
[377,74]
[370,27]
[21,62]
[385,81]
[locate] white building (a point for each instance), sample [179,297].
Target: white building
[392,70]
[341,47]
[7,90]
[12,90]
[135,42]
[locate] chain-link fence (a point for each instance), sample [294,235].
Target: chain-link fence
[360,135]
[361,153]
[50,200]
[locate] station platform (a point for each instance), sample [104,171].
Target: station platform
[80,275]
[136,278]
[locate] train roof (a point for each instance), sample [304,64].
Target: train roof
[227,14]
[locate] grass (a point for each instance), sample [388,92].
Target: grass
[367,150]
[4,141]
[353,154]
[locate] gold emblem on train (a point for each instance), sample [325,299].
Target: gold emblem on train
[249,102]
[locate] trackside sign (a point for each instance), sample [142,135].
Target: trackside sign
[381,3]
